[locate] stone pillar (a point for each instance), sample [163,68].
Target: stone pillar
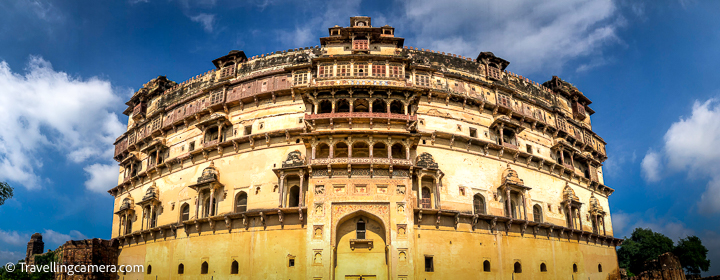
[570,215]
[580,218]
[524,206]
[281,193]
[437,193]
[302,189]
[507,203]
[197,205]
[152,212]
[211,209]
[220,133]
[501,134]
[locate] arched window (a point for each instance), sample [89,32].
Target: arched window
[599,267]
[513,207]
[574,268]
[325,107]
[543,267]
[342,106]
[378,106]
[153,219]
[341,150]
[211,134]
[396,107]
[234,267]
[425,199]
[360,230]
[479,204]
[323,151]
[361,105]
[181,268]
[537,213]
[517,267]
[486,266]
[380,150]
[209,209]
[204,268]
[294,196]
[146,217]
[149,270]
[360,150]
[398,151]
[241,202]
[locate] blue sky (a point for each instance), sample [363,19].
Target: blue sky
[67,67]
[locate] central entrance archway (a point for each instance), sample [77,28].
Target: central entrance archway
[360,248]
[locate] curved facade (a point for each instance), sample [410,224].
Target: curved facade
[362,159]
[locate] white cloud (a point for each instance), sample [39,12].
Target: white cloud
[531,35]
[57,239]
[651,166]
[46,110]
[13,238]
[102,177]
[710,199]
[13,257]
[624,224]
[206,20]
[691,144]
[321,17]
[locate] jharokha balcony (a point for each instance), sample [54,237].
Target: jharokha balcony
[360,115]
[361,160]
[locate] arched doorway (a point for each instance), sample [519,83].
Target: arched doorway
[360,248]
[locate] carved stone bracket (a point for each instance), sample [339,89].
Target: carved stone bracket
[457,220]
[228,224]
[493,224]
[245,221]
[419,217]
[280,218]
[262,219]
[437,222]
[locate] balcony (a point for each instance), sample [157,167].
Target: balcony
[361,115]
[364,160]
[509,145]
[211,143]
[139,110]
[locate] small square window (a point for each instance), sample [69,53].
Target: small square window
[191,147]
[248,130]
[473,132]
[429,267]
[291,262]
[529,149]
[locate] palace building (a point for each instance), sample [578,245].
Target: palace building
[362,158]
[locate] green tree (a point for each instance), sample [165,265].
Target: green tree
[14,275]
[692,255]
[6,192]
[643,245]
